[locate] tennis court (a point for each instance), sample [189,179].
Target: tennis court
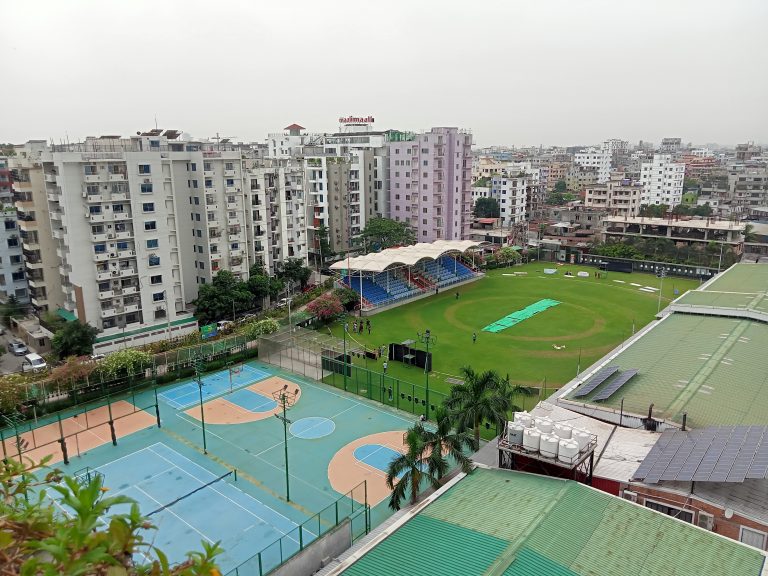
[376,455]
[217,384]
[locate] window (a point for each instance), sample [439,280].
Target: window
[153,243]
[145,169]
[208,183]
[146,188]
[148,207]
[206,166]
[193,167]
[89,169]
[118,208]
[103,286]
[92,189]
[154,260]
[99,248]
[122,245]
[158,296]
[752,537]
[94,209]
[230,181]
[97,229]
[670,511]
[15,259]
[150,225]
[13,242]
[425,163]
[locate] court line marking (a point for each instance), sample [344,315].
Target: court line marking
[323,420]
[175,397]
[295,525]
[172,512]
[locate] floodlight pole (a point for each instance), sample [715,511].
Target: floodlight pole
[198,364]
[286,400]
[426,338]
[344,360]
[662,274]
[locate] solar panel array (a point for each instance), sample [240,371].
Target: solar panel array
[622,379]
[718,454]
[596,380]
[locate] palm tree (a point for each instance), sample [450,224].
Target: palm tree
[480,397]
[445,441]
[513,390]
[416,465]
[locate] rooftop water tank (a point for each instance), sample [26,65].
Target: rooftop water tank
[515,433]
[531,439]
[523,418]
[548,445]
[568,451]
[545,425]
[582,437]
[563,431]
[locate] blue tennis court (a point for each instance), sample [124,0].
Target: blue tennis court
[157,475]
[376,455]
[216,384]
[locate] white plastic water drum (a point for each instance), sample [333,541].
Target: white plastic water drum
[563,431]
[531,439]
[582,437]
[523,418]
[568,451]
[545,425]
[515,433]
[548,445]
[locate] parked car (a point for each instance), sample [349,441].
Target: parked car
[33,363]
[247,318]
[223,324]
[98,356]
[18,348]
[283,302]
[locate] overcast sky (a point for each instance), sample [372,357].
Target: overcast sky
[514,71]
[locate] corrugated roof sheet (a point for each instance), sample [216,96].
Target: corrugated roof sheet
[526,525]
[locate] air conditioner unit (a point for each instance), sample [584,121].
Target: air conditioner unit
[147,180]
[115,272]
[113,255]
[629,495]
[110,236]
[706,521]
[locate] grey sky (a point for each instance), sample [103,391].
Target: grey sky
[515,72]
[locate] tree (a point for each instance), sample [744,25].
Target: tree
[293,270]
[124,363]
[480,398]
[444,440]
[74,339]
[407,472]
[653,210]
[321,235]
[560,198]
[34,539]
[261,285]
[487,208]
[381,233]
[11,308]
[325,307]
[561,187]
[222,298]
[749,233]
[507,254]
[703,210]
[348,297]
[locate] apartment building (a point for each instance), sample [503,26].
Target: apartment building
[601,158]
[13,281]
[431,183]
[31,188]
[747,186]
[671,145]
[620,196]
[558,171]
[662,180]
[512,196]
[276,223]
[140,224]
[291,141]
[581,177]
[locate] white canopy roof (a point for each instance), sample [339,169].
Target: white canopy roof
[404,256]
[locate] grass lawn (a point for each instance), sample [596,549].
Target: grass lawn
[595,316]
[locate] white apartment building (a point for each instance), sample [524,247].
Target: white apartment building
[601,158]
[140,223]
[511,192]
[662,180]
[431,182]
[13,281]
[290,142]
[620,196]
[276,226]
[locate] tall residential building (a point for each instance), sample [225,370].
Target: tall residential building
[33,186]
[662,180]
[13,281]
[276,222]
[558,171]
[511,192]
[620,196]
[140,224]
[431,183]
[601,158]
[290,142]
[747,186]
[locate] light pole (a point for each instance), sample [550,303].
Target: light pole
[199,365]
[285,400]
[344,359]
[661,274]
[427,338]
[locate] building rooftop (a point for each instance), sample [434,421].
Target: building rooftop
[517,524]
[695,223]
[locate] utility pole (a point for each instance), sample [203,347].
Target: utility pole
[285,400]
[661,274]
[427,338]
[199,365]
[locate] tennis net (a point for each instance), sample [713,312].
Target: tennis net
[188,494]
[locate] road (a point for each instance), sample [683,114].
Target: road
[8,362]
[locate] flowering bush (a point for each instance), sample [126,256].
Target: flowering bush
[325,307]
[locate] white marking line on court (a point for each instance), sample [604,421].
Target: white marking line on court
[174,513]
[224,495]
[143,480]
[179,403]
[305,430]
[267,462]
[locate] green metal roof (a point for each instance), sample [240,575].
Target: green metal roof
[497,522]
[66,314]
[713,368]
[187,320]
[742,286]
[741,278]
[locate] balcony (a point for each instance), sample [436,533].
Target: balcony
[126,253]
[233,237]
[123,235]
[125,272]
[99,237]
[232,206]
[91,178]
[229,173]
[127,290]
[119,196]
[53,196]
[94,218]
[233,221]
[28,225]
[108,312]
[106,294]
[119,177]
[101,257]
[121,216]
[132,308]
[39,301]
[34,264]
[55,215]
[50,177]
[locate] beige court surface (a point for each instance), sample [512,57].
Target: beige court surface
[222,411]
[81,433]
[345,471]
